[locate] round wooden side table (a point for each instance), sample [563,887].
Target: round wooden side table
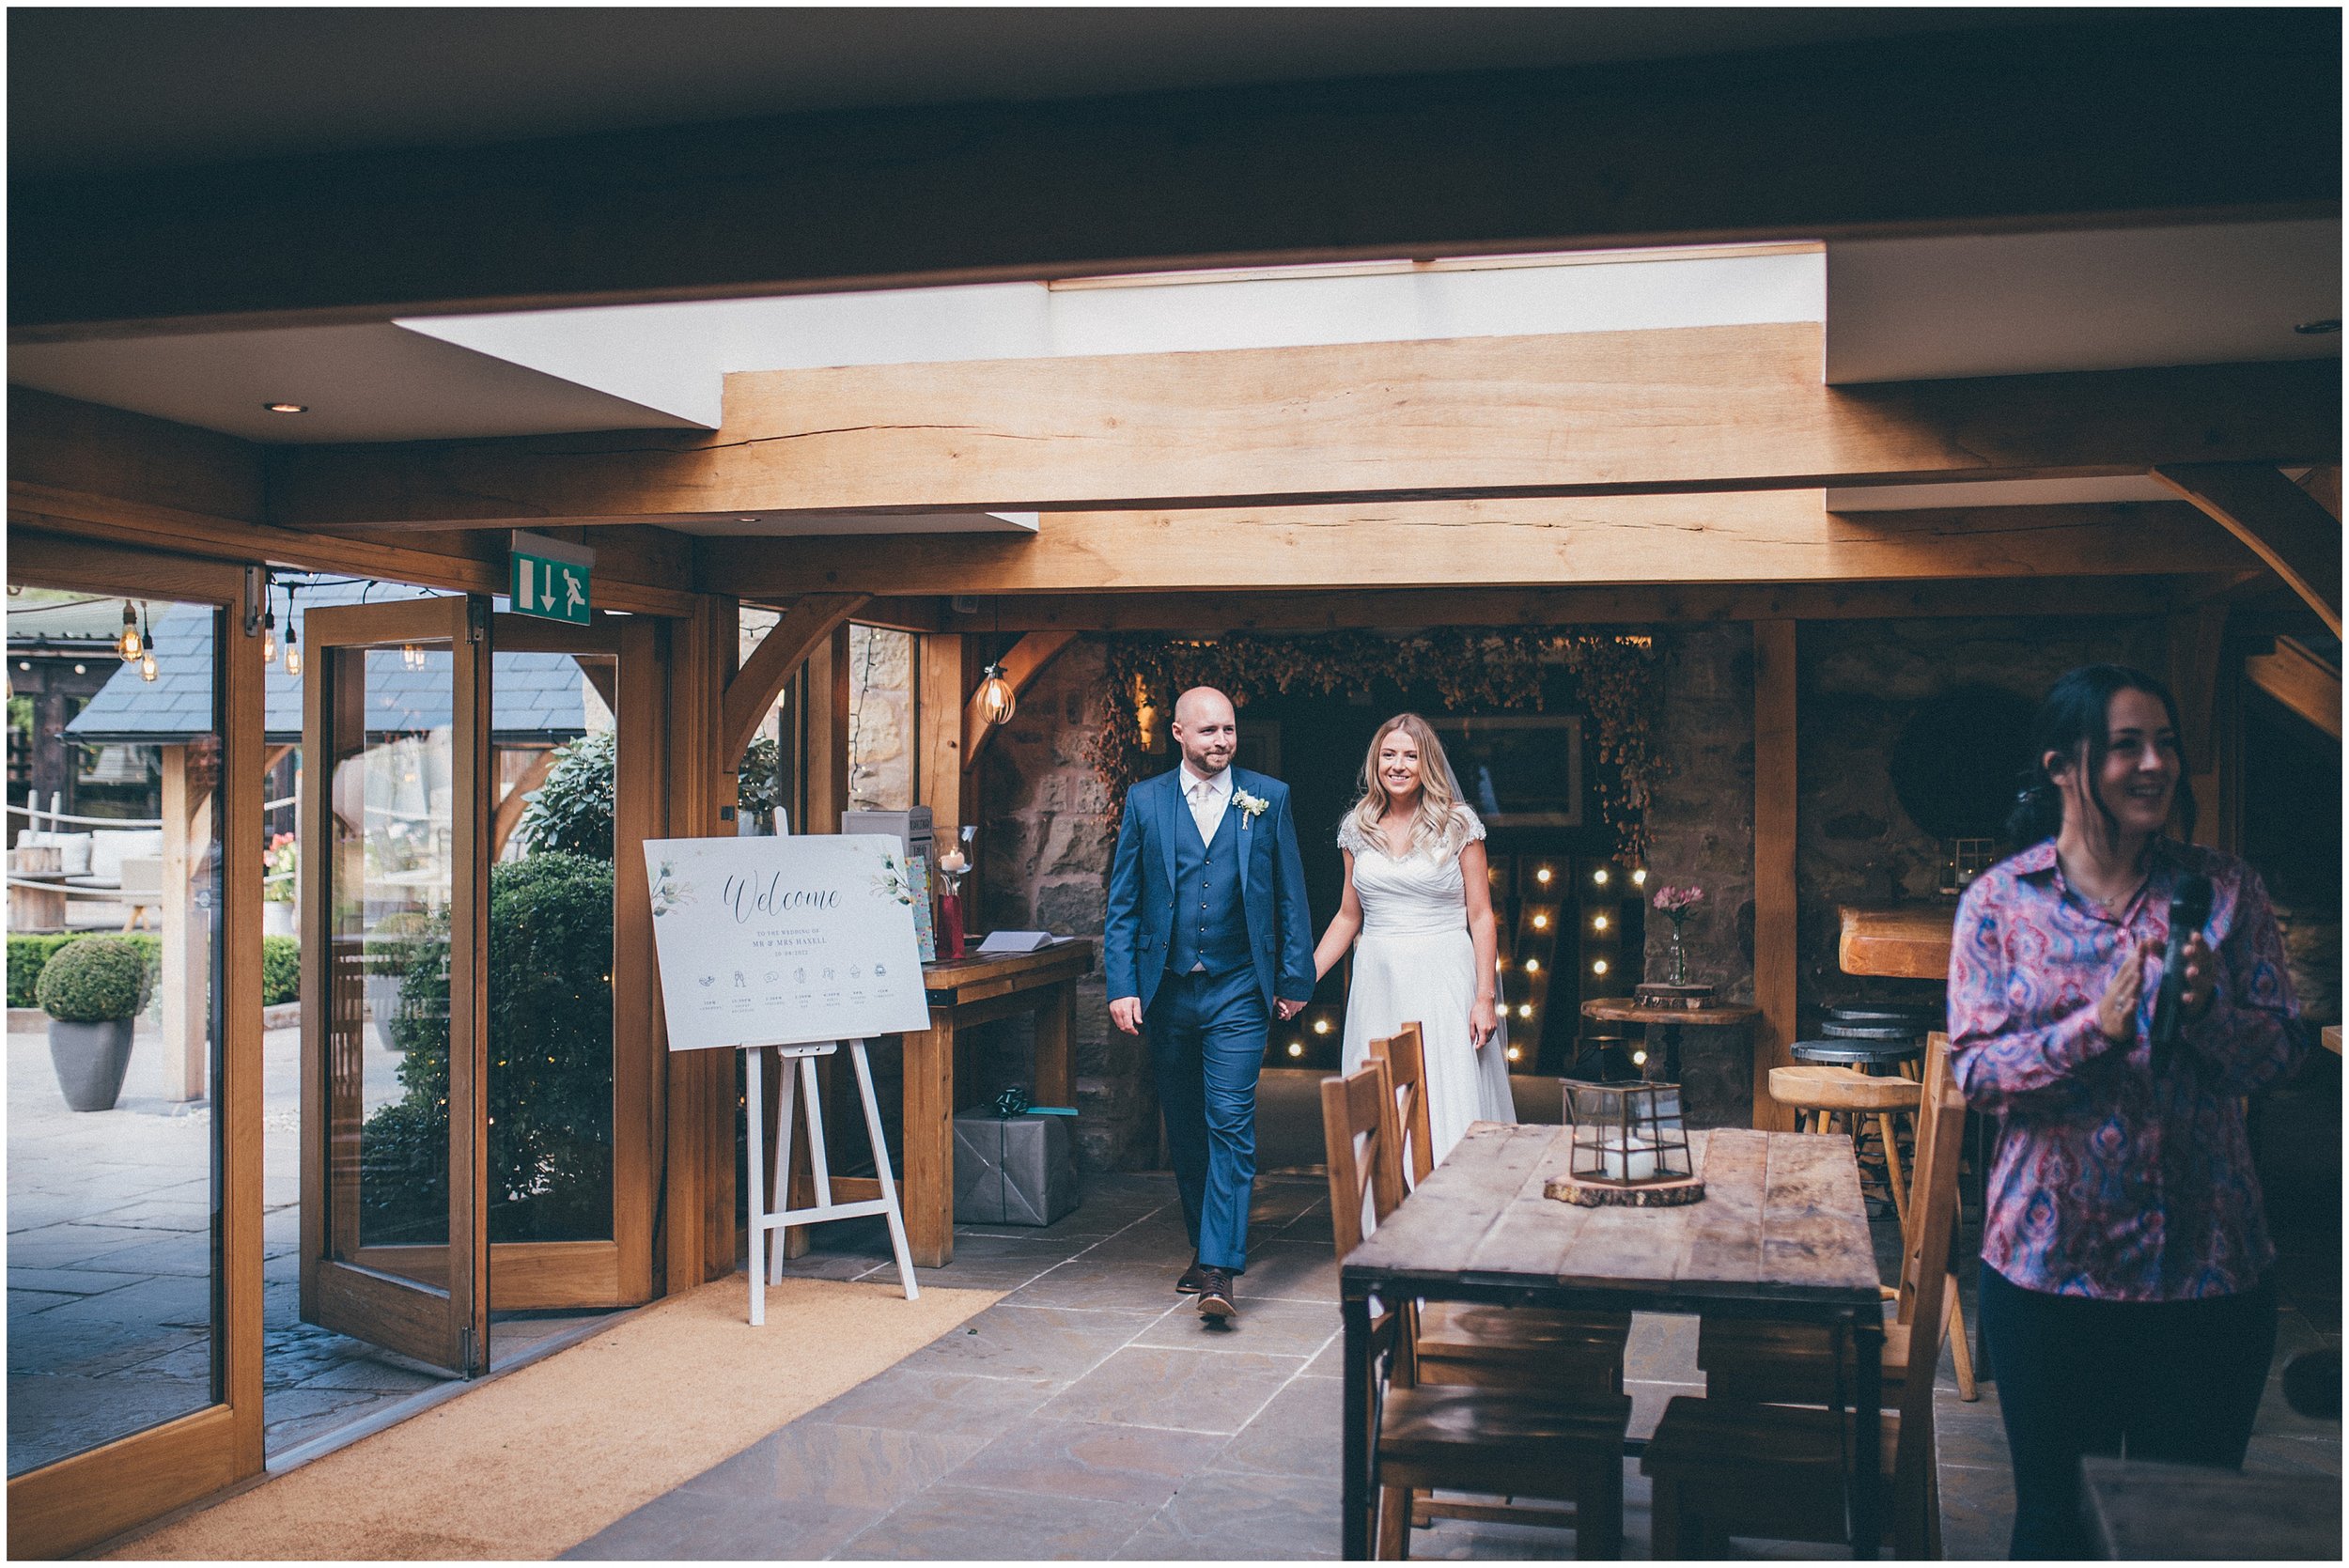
[1665,1024]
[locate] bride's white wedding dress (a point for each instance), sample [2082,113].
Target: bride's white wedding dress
[1416,963]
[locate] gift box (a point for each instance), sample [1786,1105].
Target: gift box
[1013,1171]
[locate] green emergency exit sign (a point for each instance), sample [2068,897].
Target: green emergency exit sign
[553,579]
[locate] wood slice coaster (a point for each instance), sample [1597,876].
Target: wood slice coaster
[1654,1195]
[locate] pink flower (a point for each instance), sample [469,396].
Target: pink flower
[1677,901]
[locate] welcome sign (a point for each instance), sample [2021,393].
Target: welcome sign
[766,942]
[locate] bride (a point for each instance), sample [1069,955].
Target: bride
[1418,897]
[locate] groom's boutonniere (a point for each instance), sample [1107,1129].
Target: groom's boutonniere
[1251,806]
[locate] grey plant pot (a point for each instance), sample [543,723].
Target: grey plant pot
[90,1060]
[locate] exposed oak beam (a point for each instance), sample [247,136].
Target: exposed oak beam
[1760,537]
[2150,115]
[2284,526]
[1402,609]
[2308,685]
[1698,408]
[752,689]
[1020,666]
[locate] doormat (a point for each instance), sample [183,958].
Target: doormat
[536,1462]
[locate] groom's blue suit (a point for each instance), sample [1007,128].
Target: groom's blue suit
[1208,936]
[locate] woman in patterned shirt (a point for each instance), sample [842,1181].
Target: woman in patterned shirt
[2126,1289]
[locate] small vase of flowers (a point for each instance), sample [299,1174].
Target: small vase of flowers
[1675,903]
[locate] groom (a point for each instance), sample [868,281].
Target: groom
[1207,940]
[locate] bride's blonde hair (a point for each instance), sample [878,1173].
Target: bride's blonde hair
[1435,821]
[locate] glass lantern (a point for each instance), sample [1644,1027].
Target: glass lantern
[1627,1134]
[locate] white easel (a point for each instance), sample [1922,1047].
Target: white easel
[800,1086]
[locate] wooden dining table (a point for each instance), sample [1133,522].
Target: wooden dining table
[1781,1233]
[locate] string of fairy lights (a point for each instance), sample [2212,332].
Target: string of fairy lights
[1531,899]
[136,643]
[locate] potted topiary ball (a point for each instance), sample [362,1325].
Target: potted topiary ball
[91,989]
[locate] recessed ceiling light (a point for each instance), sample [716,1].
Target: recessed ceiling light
[2317,329]
[746,519]
[287,408]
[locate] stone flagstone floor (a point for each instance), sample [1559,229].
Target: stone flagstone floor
[1089,1414]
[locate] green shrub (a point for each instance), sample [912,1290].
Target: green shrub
[281,969]
[549,1089]
[94,979]
[571,812]
[29,956]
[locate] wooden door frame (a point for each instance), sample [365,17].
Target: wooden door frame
[617,1272]
[80,1500]
[458,1335]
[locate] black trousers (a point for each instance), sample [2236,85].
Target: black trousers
[2178,1381]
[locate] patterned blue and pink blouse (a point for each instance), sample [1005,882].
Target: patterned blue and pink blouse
[2107,1183]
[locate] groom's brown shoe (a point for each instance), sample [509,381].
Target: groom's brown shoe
[1215,1295]
[1189,1284]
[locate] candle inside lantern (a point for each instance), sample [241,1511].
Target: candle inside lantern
[954,862]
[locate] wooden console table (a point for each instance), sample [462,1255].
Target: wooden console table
[963,994]
[1897,941]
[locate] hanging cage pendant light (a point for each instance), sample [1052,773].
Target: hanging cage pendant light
[997,701]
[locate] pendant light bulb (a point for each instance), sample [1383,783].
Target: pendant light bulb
[269,639]
[146,665]
[127,645]
[997,701]
[293,636]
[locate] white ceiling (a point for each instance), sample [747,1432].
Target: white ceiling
[1908,309]
[377,382]
[2017,304]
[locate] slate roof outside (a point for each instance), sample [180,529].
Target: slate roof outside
[535,697]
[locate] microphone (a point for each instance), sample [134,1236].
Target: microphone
[2189,906]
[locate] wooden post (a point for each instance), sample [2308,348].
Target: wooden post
[185,983]
[2200,679]
[826,771]
[939,780]
[1774,910]
[700,1177]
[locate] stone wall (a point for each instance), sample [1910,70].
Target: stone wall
[1701,831]
[1044,843]
[881,718]
[1859,684]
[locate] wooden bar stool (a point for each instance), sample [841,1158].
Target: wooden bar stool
[1776,1363]
[1819,1095]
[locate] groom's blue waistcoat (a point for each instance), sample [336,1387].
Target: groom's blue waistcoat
[1210,924]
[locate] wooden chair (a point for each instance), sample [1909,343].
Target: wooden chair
[1722,1467]
[1565,1354]
[1786,1363]
[1459,1438]
[1406,1056]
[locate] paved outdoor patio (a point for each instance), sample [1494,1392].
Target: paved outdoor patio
[1090,1415]
[109,1241]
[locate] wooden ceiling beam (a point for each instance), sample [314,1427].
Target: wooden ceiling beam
[2303,682]
[1674,410]
[1214,614]
[2151,116]
[2285,525]
[1771,536]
